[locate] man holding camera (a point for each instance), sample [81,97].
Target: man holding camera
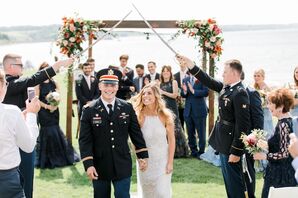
[17,95]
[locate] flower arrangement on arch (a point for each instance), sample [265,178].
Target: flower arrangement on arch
[73,32]
[207,32]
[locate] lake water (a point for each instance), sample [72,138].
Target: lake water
[276,51]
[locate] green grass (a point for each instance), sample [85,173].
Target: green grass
[191,178]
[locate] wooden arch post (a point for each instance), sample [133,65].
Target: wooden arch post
[170,24]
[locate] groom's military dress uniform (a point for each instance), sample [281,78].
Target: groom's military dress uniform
[233,120]
[103,141]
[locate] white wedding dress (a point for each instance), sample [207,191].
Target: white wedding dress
[154,182]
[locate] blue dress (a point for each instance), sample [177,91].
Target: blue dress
[53,149]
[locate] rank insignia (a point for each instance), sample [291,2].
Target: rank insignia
[244,106]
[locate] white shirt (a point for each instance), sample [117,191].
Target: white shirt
[106,104]
[15,133]
[295,166]
[152,76]
[231,85]
[88,80]
[182,76]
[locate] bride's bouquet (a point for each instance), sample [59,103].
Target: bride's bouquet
[53,98]
[255,142]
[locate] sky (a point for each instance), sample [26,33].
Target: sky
[226,12]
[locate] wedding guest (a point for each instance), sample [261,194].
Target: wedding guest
[294,88]
[153,75]
[293,149]
[179,76]
[279,172]
[53,149]
[17,95]
[195,114]
[15,132]
[263,88]
[157,125]
[126,82]
[138,81]
[234,119]
[86,88]
[91,63]
[106,125]
[169,92]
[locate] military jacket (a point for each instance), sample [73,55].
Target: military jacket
[103,140]
[233,115]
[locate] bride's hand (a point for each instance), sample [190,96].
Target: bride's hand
[169,168]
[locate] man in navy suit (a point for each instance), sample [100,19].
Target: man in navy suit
[138,81]
[195,113]
[86,88]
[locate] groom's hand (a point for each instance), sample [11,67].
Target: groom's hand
[143,164]
[91,173]
[183,60]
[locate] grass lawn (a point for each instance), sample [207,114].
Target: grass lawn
[192,178]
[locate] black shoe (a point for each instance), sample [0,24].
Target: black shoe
[194,155]
[200,152]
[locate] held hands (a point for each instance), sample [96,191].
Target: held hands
[183,60]
[293,147]
[233,158]
[260,156]
[184,88]
[143,164]
[91,173]
[132,88]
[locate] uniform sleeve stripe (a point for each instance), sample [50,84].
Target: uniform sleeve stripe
[87,158]
[141,150]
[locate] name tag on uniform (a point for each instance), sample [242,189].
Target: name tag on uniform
[96,120]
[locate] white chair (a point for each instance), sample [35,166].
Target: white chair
[286,192]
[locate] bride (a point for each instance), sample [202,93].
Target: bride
[157,125]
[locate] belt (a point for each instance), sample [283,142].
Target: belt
[224,122]
[8,170]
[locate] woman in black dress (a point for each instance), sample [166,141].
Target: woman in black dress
[169,91]
[279,172]
[53,150]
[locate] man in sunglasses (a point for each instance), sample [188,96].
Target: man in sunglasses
[17,95]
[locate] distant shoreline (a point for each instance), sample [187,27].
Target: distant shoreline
[48,33]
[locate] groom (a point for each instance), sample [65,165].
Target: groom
[105,127]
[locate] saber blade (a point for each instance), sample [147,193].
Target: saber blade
[105,34]
[148,24]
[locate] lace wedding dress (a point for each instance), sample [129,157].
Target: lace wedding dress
[154,182]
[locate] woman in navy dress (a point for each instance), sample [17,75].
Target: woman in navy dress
[53,150]
[279,171]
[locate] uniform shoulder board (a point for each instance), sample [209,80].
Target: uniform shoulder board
[240,88]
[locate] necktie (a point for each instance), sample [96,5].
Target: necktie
[110,110]
[89,82]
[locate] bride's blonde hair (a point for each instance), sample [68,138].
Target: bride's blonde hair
[159,103]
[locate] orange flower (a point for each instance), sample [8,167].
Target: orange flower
[211,21]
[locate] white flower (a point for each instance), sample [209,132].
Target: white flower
[207,44]
[72,39]
[65,42]
[56,96]
[212,39]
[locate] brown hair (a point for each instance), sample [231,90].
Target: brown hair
[169,68]
[235,64]
[90,60]
[295,80]
[124,56]
[282,97]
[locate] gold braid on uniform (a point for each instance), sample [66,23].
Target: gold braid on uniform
[197,72]
[47,74]
[141,150]
[87,158]
[237,148]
